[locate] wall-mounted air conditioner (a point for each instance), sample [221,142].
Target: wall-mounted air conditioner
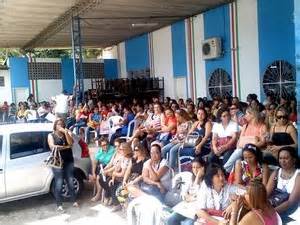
[211,48]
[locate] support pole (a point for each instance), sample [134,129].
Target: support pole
[77,60]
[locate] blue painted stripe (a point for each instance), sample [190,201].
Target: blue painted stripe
[179,49]
[19,72]
[297,49]
[110,68]
[137,53]
[276,32]
[67,74]
[217,24]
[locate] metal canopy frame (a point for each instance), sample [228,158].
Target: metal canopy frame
[77,60]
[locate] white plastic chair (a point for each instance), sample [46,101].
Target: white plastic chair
[113,125]
[131,127]
[185,160]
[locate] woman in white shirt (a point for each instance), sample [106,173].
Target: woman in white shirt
[286,179]
[224,138]
[156,174]
[184,212]
[214,196]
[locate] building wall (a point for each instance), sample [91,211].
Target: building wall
[5,92]
[137,53]
[217,24]
[254,33]
[276,32]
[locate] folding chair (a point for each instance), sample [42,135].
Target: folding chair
[112,123]
[131,127]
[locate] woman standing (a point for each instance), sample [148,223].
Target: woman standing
[61,140]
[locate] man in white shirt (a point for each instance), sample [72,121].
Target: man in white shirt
[61,106]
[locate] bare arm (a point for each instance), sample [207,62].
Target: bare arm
[271,183]
[204,215]
[238,173]
[265,174]
[127,172]
[208,129]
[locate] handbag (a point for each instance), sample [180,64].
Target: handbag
[278,196]
[192,140]
[54,160]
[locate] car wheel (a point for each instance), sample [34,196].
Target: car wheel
[78,186]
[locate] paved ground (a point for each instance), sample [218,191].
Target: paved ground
[42,211]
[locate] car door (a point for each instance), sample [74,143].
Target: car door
[2,155]
[26,172]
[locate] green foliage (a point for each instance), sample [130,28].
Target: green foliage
[47,53]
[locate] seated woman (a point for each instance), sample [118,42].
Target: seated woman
[168,128]
[152,124]
[133,174]
[93,124]
[249,167]
[102,158]
[183,127]
[203,127]
[111,183]
[287,180]
[254,132]
[282,133]
[224,138]
[214,198]
[124,123]
[189,196]
[261,212]
[81,118]
[156,176]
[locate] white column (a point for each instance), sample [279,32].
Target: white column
[200,72]
[248,52]
[162,58]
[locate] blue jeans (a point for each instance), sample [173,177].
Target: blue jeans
[212,158]
[237,154]
[172,149]
[67,173]
[177,219]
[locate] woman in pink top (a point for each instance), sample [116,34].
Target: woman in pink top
[253,132]
[261,213]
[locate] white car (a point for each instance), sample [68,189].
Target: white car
[23,172]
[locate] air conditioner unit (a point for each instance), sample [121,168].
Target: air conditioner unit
[211,48]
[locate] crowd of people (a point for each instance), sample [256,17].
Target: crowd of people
[238,154]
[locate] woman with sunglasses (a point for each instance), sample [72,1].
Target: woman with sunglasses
[101,159]
[134,170]
[112,182]
[282,133]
